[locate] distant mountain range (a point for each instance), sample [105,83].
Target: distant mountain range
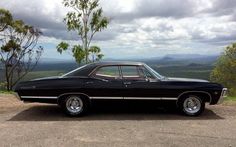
[183,59]
[167,57]
[168,60]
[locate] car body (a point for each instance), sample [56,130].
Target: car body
[75,90]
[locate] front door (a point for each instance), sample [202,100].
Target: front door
[139,84]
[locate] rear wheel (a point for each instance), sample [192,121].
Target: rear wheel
[74,105]
[191,105]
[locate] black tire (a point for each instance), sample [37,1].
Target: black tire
[79,109]
[196,109]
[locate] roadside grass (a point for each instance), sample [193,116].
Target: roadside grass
[230,100]
[6,92]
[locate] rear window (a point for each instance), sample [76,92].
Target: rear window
[81,71]
[108,72]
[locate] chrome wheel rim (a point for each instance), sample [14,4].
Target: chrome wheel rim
[192,105]
[74,104]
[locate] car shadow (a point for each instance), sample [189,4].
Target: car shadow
[110,112]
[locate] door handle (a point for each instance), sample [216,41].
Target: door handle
[127,83]
[89,82]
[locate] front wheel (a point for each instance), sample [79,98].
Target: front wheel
[74,105]
[191,105]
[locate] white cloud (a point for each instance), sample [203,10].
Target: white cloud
[141,27]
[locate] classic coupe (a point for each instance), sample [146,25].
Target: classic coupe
[76,90]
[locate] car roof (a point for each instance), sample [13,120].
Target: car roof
[89,68]
[117,63]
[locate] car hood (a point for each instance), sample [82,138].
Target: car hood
[185,79]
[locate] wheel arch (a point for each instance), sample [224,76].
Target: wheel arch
[64,95]
[206,95]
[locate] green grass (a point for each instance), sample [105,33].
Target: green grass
[231,98]
[6,92]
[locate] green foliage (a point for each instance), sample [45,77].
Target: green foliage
[86,19]
[225,69]
[63,46]
[95,53]
[3,85]
[5,19]
[231,98]
[11,44]
[78,53]
[6,92]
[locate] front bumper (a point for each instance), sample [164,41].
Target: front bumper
[17,96]
[222,96]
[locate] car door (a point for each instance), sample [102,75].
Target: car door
[139,84]
[105,83]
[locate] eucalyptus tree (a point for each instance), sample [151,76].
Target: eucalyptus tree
[77,51]
[19,53]
[5,19]
[86,18]
[79,54]
[96,54]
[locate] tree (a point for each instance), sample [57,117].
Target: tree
[77,51]
[225,69]
[79,54]
[86,19]
[95,53]
[18,53]
[5,19]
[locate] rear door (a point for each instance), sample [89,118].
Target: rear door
[105,83]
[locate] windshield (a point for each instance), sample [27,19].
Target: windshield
[157,75]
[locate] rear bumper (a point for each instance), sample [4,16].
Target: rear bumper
[222,96]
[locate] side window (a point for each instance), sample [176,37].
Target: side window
[132,73]
[108,72]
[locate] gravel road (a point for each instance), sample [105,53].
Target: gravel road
[45,125]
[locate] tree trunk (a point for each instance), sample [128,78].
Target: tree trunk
[85,37]
[7,78]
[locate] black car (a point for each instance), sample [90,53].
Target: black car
[76,90]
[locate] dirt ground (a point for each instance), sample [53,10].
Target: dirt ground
[45,125]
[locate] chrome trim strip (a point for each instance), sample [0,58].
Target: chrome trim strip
[142,98]
[150,98]
[169,98]
[127,98]
[137,98]
[118,98]
[39,97]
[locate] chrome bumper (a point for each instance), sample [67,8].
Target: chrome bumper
[222,96]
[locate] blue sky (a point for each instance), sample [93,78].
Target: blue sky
[138,28]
